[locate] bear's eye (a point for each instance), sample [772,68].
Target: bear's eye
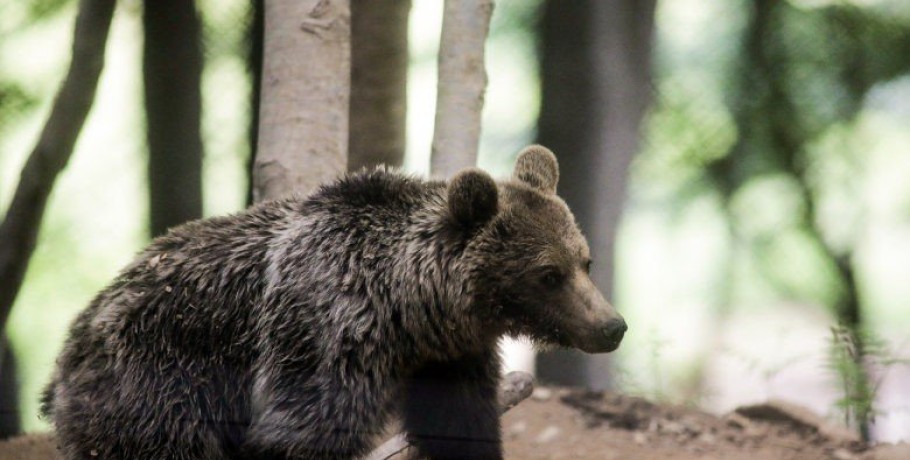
[551,277]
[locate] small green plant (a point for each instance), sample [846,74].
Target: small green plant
[860,363]
[646,377]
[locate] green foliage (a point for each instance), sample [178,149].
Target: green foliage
[17,98]
[96,216]
[686,133]
[42,8]
[792,122]
[852,360]
[16,15]
[735,117]
[514,17]
[14,101]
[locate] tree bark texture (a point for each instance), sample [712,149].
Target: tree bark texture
[303,129]
[595,74]
[462,82]
[19,230]
[172,72]
[379,74]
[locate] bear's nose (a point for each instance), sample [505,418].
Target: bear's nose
[614,330]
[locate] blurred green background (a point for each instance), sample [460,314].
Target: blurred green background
[728,295]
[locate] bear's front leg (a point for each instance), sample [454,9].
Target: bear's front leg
[451,409]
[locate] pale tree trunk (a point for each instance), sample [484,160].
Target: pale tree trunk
[461,86]
[172,72]
[596,87]
[379,73]
[303,130]
[303,126]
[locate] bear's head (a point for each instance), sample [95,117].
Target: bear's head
[529,261]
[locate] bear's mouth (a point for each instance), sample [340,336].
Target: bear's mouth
[588,346]
[603,347]
[548,333]
[593,340]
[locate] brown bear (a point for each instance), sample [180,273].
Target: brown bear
[296,329]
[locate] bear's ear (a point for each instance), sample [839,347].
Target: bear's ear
[473,198]
[537,167]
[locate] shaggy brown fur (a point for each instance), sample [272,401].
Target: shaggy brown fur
[294,329]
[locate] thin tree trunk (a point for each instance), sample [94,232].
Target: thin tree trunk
[9,393]
[766,113]
[849,313]
[20,226]
[256,37]
[462,82]
[19,230]
[379,73]
[172,72]
[303,129]
[596,87]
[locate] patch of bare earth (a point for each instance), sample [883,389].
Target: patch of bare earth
[558,423]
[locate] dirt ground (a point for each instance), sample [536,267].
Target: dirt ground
[575,424]
[558,423]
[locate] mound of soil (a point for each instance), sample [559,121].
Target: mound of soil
[557,423]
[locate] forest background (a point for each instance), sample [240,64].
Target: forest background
[768,190]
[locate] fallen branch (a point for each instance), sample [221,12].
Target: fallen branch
[19,230]
[461,86]
[514,388]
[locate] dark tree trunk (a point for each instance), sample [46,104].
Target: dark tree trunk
[379,73]
[769,121]
[595,73]
[19,229]
[9,393]
[256,37]
[172,70]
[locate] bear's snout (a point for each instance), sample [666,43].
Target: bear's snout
[602,338]
[596,327]
[614,331]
